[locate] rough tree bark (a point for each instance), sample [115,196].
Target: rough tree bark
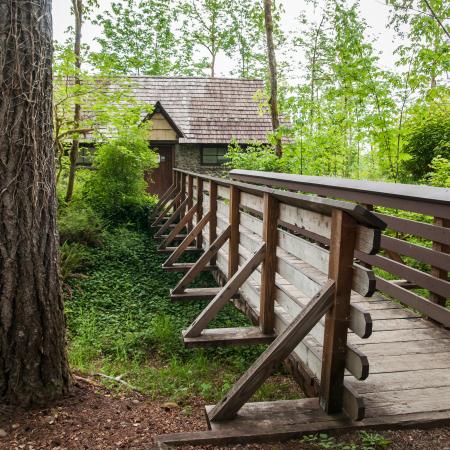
[273,101]
[33,364]
[78,13]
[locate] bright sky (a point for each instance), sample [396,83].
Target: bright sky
[375,12]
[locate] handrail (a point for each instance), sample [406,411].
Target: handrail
[426,200]
[418,198]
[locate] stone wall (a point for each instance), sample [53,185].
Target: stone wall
[188,157]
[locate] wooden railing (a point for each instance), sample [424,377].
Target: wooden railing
[426,287]
[289,283]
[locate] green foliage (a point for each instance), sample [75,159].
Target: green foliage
[121,321]
[117,187]
[429,137]
[255,156]
[73,259]
[138,37]
[440,174]
[78,223]
[367,441]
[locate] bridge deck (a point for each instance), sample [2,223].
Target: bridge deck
[409,363]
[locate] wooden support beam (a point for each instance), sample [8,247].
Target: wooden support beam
[283,345]
[269,265]
[172,218]
[342,247]
[436,271]
[229,336]
[227,292]
[187,241]
[179,226]
[161,201]
[233,246]
[213,215]
[202,261]
[184,267]
[168,207]
[196,294]
[190,195]
[199,209]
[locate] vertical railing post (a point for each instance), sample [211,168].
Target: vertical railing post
[342,246]
[269,265]
[436,271]
[233,242]
[190,195]
[212,216]
[199,209]
[183,192]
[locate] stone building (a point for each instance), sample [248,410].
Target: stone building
[194,120]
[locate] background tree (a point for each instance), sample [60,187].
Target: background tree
[33,364]
[273,100]
[138,38]
[206,26]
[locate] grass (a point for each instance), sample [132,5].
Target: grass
[121,321]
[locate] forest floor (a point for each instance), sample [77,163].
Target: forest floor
[121,323]
[98,418]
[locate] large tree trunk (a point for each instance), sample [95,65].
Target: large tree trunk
[273,101]
[33,364]
[78,12]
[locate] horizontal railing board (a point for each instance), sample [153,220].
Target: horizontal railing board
[421,229]
[418,252]
[422,199]
[367,239]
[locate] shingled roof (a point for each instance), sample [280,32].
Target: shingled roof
[208,110]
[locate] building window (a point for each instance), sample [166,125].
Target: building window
[213,155]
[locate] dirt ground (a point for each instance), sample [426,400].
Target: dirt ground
[94,417]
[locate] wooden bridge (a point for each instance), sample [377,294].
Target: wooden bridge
[301,267]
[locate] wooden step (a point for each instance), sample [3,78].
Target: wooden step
[196,294]
[177,237]
[183,267]
[229,336]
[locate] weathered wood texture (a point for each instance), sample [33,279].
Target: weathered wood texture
[430,201]
[399,341]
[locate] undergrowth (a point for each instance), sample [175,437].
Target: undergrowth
[121,321]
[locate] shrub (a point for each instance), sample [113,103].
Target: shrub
[73,258]
[117,188]
[440,174]
[79,223]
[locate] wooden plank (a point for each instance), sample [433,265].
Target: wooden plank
[226,293]
[404,363]
[283,345]
[229,336]
[399,324]
[269,265]
[364,281]
[432,310]
[190,195]
[186,242]
[405,347]
[233,245]
[196,294]
[161,202]
[402,336]
[202,261]
[172,249]
[413,379]
[342,246]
